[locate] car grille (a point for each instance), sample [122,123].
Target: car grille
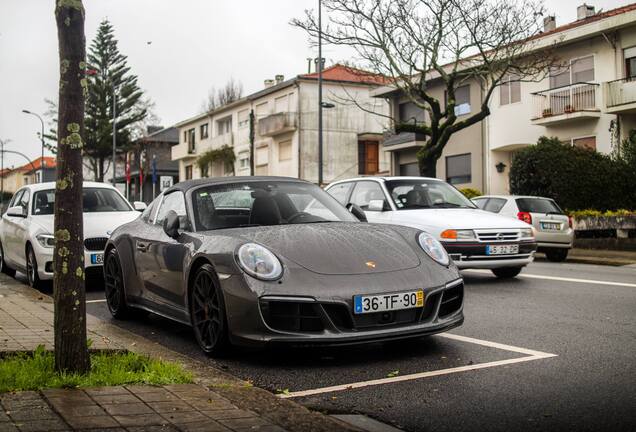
[451,301]
[95,243]
[497,236]
[292,316]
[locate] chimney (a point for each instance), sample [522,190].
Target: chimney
[309,60]
[584,11]
[549,23]
[269,83]
[279,78]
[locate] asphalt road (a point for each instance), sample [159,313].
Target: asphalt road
[589,385]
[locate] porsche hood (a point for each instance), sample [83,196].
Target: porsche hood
[338,248]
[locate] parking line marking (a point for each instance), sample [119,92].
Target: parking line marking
[562,279]
[96,301]
[532,355]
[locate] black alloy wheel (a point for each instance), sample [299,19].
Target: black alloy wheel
[506,272]
[207,312]
[32,268]
[3,264]
[114,286]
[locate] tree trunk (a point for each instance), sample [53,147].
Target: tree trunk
[71,349]
[100,173]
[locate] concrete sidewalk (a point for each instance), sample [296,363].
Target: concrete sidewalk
[217,402]
[599,257]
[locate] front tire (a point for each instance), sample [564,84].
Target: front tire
[556,255]
[114,286]
[32,268]
[4,268]
[207,312]
[506,272]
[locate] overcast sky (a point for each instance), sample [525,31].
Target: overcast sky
[196,44]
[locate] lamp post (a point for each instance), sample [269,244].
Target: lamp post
[320,93]
[42,140]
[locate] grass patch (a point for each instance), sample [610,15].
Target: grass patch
[36,370]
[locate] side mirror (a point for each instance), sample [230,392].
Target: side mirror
[17,211]
[357,212]
[171,224]
[139,206]
[376,205]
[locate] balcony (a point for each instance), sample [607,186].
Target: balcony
[277,124]
[221,140]
[403,140]
[182,150]
[620,96]
[567,103]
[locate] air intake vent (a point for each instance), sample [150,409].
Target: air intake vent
[95,243]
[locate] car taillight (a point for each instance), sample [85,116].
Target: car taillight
[525,216]
[570,221]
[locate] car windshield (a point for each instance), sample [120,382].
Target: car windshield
[409,194]
[264,203]
[538,205]
[95,200]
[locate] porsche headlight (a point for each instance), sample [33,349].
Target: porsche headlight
[527,233]
[259,262]
[46,240]
[433,248]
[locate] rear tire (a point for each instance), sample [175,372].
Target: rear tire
[556,255]
[4,268]
[114,289]
[506,272]
[207,312]
[32,268]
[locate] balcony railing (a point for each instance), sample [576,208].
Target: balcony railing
[276,124]
[221,140]
[620,92]
[565,100]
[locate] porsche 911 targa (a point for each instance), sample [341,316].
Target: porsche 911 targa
[263,260]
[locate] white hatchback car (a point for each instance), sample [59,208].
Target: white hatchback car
[26,228]
[472,237]
[553,228]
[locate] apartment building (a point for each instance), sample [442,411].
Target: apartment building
[36,171]
[588,101]
[284,120]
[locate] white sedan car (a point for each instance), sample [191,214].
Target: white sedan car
[26,229]
[472,237]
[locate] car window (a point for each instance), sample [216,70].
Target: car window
[364,192]
[24,200]
[340,192]
[95,200]
[16,198]
[411,194]
[538,205]
[495,205]
[173,201]
[480,202]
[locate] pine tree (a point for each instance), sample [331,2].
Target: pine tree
[110,71]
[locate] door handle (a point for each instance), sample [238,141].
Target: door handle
[142,247]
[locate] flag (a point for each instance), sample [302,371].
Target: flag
[142,159]
[154,170]
[127,169]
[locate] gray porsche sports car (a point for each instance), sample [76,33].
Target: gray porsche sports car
[260,260]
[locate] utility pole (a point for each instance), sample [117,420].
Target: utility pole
[252,142]
[114,132]
[320,179]
[42,141]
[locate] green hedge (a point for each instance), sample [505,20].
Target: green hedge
[576,178]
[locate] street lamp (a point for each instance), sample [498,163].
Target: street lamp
[320,93]
[42,139]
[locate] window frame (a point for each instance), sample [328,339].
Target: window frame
[584,137]
[388,205]
[470,175]
[187,215]
[508,83]
[204,127]
[347,196]
[569,69]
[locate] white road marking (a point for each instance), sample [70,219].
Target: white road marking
[562,279]
[96,301]
[531,355]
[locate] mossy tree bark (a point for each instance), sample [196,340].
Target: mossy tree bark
[71,348]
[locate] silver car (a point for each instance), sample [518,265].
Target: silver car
[553,228]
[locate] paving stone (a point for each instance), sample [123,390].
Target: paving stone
[8,427]
[208,426]
[3,416]
[138,389]
[180,388]
[263,428]
[210,405]
[92,422]
[165,396]
[162,428]
[170,406]
[229,414]
[42,425]
[116,399]
[32,413]
[127,409]
[140,420]
[185,417]
[80,411]
[242,423]
[102,391]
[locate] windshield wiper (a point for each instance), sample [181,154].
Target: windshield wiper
[448,205]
